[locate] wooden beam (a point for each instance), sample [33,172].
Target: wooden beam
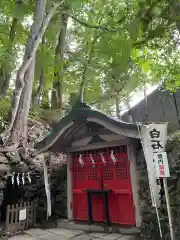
[93,134]
[99,145]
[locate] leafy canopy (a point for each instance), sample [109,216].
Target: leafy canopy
[114,47]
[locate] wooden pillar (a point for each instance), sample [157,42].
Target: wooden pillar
[69,188]
[134,183]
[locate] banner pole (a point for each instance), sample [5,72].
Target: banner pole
[157,213]
[168,208]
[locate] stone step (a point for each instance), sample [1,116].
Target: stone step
[65,234]
[101,228]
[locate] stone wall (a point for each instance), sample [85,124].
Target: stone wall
[59,192]
[150,228]
[12,162]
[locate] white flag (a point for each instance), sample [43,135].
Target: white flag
[153,138]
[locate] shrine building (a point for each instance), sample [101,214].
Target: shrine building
[102,178]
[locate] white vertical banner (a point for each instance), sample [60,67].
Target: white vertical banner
[154,137]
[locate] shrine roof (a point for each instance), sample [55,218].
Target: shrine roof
[80,115]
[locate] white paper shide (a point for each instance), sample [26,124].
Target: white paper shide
[22,214]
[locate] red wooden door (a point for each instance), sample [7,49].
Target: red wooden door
[87,176]
[109,175]
[116,176]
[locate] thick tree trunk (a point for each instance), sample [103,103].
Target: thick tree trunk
[17,131]
[36,97]
[57,101]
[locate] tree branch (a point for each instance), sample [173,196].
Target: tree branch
[86,68]
[13,27]
[151,36]
[37,41]
[100,27]
[12,148]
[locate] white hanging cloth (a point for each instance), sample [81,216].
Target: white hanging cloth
[92,159]
[18,180]
[23,179]
[113,157]
[47,187]
[29,177]
[12,178]
[81,160]
[102,157]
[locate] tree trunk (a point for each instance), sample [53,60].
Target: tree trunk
[130,119]
[45,100]
[57,102]
[40,87]
[36,97]
[86,65]
[118,112]
[146,114]
[4,80]
[175,9]
[17,131]
[5,71]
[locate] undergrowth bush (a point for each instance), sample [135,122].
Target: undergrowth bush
[5,104]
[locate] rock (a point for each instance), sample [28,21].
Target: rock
[1,197]
[59,198]
[3,159]
[10,155]
[39,159]
[16,159]
[2,184]
[4,168]
[23,162]
[29,195]
[23,167]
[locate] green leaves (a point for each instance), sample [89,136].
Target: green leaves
[134,28]
[134,43]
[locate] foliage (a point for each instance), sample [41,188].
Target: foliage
[114,47]
[5,105]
